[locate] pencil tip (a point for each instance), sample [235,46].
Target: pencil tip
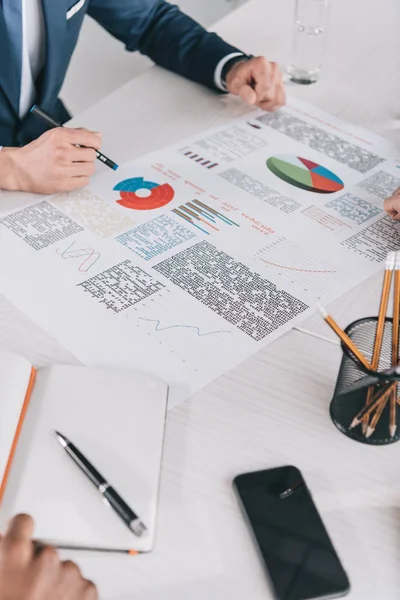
[370,431]
[393,429]
[322,310]
[354,423]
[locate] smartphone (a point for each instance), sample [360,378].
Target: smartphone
[295,547]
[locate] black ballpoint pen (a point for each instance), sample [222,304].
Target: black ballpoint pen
[110,496]
[39,112]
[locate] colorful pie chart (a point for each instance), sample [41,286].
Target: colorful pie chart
[305,174]
[138,194]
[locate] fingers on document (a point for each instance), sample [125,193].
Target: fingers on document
[17,541]
[259,82]
[392,205]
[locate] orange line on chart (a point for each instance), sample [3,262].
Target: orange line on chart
[293,268]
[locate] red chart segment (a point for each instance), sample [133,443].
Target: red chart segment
[308,163]
[131,192]
[323,184]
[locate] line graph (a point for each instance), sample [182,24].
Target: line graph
[294,268]
[185,330]
[178,326]
[301,269]
[89,255]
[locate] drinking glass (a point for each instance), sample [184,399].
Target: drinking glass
[311,19]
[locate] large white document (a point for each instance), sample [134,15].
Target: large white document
[188,260]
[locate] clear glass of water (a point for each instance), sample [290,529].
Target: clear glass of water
[311,20]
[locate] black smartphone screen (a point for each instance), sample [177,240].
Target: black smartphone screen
[301,561]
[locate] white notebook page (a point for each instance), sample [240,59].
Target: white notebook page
[117,420]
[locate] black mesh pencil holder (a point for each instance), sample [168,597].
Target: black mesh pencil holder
[354,381]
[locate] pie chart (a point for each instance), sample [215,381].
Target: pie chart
[305,174]
[138,194]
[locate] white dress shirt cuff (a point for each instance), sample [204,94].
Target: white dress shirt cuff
[218,71]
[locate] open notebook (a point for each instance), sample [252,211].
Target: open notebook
[115,418]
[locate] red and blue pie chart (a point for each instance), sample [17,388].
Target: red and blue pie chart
[138,194]
[305,174]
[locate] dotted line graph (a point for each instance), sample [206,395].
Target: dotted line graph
[198,332]
[272,264]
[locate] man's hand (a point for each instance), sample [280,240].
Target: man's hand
[52,163]
[31,573]
[392,205]
[258,82]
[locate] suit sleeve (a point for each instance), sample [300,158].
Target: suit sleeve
[161,31]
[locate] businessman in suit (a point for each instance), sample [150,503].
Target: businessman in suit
[37,39]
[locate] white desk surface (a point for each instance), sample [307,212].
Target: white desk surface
[273,409]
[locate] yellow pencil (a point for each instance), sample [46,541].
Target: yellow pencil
[350,345]
[380,327]
[377,415]
[395,343]
[381,396]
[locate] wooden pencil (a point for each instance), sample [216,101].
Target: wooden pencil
[393,413]
[381,406]
[381,396]
[350,345]
[395,343]
[380,327]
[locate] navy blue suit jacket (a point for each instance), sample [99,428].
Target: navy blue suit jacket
[154,27]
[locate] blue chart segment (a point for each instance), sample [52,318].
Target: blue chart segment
[203,217]
[155,237]
[158,327]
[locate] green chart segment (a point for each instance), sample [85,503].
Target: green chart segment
[305,174]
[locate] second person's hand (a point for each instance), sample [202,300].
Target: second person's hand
[52,163]
[258,82]
[392,205]
[28,572]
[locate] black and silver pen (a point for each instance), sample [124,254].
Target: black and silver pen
[110,496]
[39,112]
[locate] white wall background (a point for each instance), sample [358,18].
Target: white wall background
[100,63]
